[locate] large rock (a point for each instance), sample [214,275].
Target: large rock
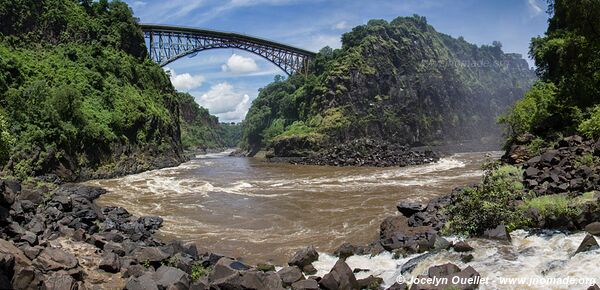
[110,262]
[589,243]
[172,278]
[150,254]
[304,257]
[226,267]
[144,282]
[370,282]
[53,259]
[398,286]
[447,275]
[408,208]
[58,281]
[499,233]
[396,233]
[593,228]
[289,275]
[308,284]
[462,246]
[340,277]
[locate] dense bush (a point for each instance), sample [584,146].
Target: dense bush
[490,204]
[590,127]
[76,88]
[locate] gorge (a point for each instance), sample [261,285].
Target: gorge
[113,179]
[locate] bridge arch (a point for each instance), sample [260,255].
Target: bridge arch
[169,43]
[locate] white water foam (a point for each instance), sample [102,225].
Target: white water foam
[530,257]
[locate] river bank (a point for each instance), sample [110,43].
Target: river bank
[61,238]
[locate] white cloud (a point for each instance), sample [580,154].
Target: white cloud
[238,64]
[341,25]
[138,4]
[535,8]
[225,102]
[321,40]
[186,81]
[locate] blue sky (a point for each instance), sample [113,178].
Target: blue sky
[226,81]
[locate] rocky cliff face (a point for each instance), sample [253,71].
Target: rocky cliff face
[402,82]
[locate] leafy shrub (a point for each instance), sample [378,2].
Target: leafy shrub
[587,159]
[199,271]
[591,126]
[531,111]
[6,139]
[489,204]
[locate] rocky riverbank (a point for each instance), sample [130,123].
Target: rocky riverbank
[360,152]
[58,238]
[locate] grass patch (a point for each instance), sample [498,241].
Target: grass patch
[587,159]
[552,205]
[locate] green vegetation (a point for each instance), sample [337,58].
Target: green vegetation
[199,271]
[199,129]
[78,94]
[401,81]
[489,204]
[568,61]
[552,206]
[76,89]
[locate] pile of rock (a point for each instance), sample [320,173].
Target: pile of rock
[61,239]
[369,152]
[564,168]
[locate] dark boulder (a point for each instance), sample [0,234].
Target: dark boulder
[144,282]
[396,233]
[441,244]
[304,257]
[408,208]
[593,228]
[308,284]
[58,281]
[443,270]
[589,243]
[110,262]
[53,259]
[370,282]
[344,251]
[462,246]
[398,286]
[412,263]
[149,254]
[499,233]
[309,269]
[289,275]
[171,278]
[340,277]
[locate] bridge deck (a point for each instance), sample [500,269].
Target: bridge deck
[224,34]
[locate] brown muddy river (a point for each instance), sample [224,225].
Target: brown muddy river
[260,211]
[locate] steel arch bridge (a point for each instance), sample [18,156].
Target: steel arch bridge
[168,43]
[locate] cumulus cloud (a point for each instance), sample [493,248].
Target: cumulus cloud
[238,64]
[225,102]
[186,81]
[535,8]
